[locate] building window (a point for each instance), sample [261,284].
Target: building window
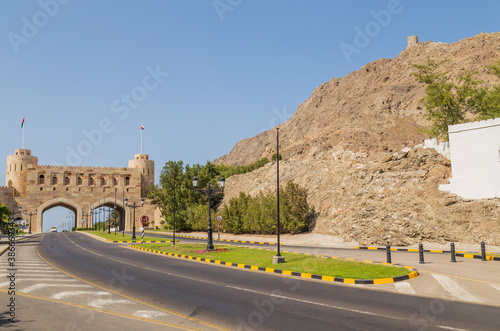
[115,181]
[127,181]
[54,180]
[103,181]
[79,180]
[41,179]
[91,180]
[66,180]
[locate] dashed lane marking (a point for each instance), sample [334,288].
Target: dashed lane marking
[454,289]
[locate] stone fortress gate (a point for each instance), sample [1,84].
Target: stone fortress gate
[39,188]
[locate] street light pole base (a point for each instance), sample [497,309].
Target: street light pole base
[278,259]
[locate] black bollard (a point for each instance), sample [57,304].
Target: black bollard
[483,251]
[452,245]
[421,253]
[388,253]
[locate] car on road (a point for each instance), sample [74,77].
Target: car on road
[53,229]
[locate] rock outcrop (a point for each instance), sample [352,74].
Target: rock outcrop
[352,145]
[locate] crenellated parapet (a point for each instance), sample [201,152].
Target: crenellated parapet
[82,168]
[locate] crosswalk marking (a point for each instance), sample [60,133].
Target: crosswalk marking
[65,294]
[454,289]
[101,303]
[149,313]
[497,286]
[404,287]
[39,286]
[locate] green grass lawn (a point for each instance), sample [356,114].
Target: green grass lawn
[118,236]
[293,262]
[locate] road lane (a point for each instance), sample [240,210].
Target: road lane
[235,298]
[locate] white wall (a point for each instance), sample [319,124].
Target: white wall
[475,159]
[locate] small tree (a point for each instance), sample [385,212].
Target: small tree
[447,102]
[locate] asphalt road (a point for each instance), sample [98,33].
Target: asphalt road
[249,300]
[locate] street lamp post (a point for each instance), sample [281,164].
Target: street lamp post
[13,219]
[114,212]
[30,214]
[278,258]
[173,242]
[209,191]
[91,217]
[133,206]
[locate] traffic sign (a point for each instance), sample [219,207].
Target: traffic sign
[144,220]
[219,225]
[219,218]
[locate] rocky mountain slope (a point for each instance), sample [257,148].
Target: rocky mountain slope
[352,145]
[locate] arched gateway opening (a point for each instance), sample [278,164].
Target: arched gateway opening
[61,217]
[71,206]
[106,215]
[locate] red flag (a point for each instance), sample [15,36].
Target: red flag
[22,123]
[142,127]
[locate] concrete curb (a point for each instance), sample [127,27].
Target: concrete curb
[414,273]
[3,250]
[138,241]
[439,251]
[221,240]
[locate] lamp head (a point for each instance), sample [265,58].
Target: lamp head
[142,202]
[222,182]
[195,182]
[126,202]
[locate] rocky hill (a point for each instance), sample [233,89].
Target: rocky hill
[352,145]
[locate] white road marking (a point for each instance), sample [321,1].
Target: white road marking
[38,279]
[39,286]
[404,287]
[454,289]
[149,313]
[65,294]
[101,303]
[318,303]
[87,250]
[497,286]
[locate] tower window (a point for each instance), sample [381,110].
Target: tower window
[79,180]
[91,180]
[54,180]
[41,179]
[127,181]
[103,181]
[115,181]
[66,180]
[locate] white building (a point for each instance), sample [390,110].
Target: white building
[475,159]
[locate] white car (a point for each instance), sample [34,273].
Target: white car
[53,229]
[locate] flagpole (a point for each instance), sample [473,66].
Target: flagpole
[141,140]
[22,142]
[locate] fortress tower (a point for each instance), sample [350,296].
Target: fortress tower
[17,170]
[147,169]
[412,41]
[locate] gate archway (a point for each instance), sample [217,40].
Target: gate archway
[58,202]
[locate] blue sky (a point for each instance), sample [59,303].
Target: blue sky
[200,75]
